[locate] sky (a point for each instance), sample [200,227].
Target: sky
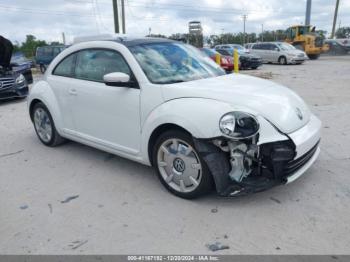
[47,19]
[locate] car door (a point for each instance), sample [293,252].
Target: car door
[59,80]
[105,115]
[267,52]
[274,53]
[257,50]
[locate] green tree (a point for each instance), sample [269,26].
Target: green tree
[343,32]
[29,46]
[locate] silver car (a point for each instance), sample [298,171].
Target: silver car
[278,52]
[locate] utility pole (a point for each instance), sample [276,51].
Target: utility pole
[262,32]
[64,38]
[335,18]
[308,12]
[244,20]
[116,16]
[123,16]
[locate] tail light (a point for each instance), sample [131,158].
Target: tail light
[224,60]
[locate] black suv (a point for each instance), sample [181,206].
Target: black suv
[247,60]
[13,83]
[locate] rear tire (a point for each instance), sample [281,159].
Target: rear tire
[313,57]
[179,167]
[45,127]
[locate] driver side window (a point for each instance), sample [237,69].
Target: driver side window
[93,64]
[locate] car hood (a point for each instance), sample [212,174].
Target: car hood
[278,104]
[6,48]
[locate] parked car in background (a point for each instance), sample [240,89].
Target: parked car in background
[13,84]
[226,61]
[45,54]
[23,65]
[248,46]
[338,46]
[278,52]
[247,61]
[241,49]
[163,104]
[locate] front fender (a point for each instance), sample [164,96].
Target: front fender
[199,116]
[42,91]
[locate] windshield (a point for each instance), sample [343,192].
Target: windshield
[209,52]
[285,46]
[172,62]
[238,47]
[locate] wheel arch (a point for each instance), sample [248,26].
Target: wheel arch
[282,56]
[31,107]
[42,92]
[157,132]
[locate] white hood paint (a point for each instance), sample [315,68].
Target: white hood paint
[274,102]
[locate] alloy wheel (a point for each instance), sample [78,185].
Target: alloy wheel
[179,165]
[43,124]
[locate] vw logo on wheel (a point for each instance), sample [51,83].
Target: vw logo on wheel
[179,165]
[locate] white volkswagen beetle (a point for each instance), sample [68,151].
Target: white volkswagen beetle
[162,103]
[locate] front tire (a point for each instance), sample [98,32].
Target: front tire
[282,60]
[179,167]
[42,69]
[45,127]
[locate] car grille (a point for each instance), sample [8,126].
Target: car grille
[294,165]
[301,55]
[6,82]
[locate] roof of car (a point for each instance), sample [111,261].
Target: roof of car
[141,41]
[123,39]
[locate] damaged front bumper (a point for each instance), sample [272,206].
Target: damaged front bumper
[254,165]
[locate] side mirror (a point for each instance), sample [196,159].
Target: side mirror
[277,49]
[119,79]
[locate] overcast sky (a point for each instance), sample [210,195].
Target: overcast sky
[47,19]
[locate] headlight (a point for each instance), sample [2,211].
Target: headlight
[20,79]
[239,125]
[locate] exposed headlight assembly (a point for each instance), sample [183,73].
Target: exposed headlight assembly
[20,79]
[239,125]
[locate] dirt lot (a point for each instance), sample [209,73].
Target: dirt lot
[120,207]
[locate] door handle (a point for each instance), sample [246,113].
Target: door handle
[73,92]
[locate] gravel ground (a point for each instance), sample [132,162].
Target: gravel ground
[78,200]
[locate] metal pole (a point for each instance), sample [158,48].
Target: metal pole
[235,61]
[63,38]
[244,19]
[308,12]
[262,32]
[116,16]
[335,18]
[123,16]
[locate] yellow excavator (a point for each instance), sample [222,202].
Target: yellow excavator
[305,38]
